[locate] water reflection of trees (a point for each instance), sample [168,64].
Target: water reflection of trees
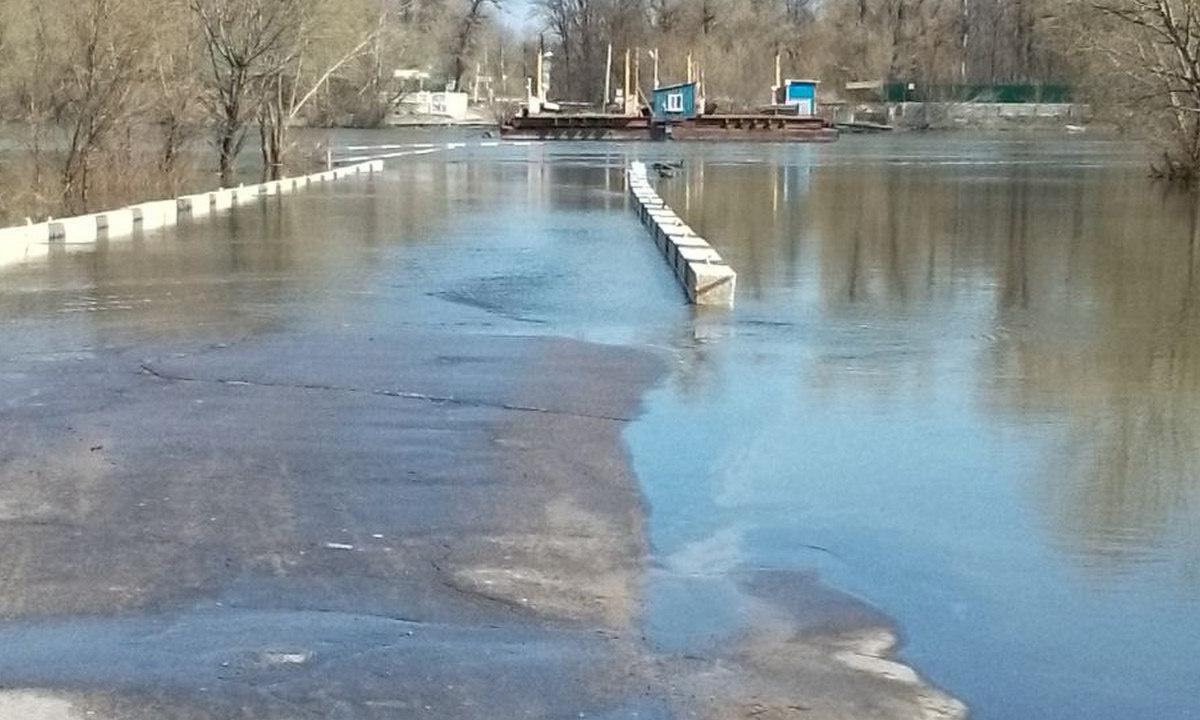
[1116,343]
[755,214]
[1087,286]
[228,270]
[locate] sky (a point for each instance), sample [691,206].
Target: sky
[515,13]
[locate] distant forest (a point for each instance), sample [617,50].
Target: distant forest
[78,76]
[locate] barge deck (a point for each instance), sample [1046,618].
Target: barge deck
[749,126]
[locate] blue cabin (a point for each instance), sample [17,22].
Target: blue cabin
[799,94]
[675,102]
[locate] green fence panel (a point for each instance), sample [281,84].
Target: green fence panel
[999,93]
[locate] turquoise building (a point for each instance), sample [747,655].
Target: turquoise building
[675,102]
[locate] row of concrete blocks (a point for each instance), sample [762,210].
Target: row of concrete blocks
[161,213]
[704,275]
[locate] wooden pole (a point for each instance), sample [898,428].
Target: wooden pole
[540,60]
[656,82]
[637,77]
[778,71]
[689,68]
[628,70]
[607,79]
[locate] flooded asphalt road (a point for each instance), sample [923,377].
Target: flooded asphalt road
[357,454]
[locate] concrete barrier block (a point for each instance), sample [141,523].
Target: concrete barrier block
[38,233]
[79,229]
[23,243]
[710,284]
[115,223]
[696,254]
[16,234]
[195,205]
[664,216]
[156,214]
[221,199]
[685,236]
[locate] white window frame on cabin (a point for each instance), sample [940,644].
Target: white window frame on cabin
[674,102]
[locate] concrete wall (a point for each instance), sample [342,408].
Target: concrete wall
[705,277]
[990,116]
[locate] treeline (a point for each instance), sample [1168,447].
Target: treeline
[733,42]
[1137,61]
[107,100]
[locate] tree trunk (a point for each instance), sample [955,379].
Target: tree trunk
[227,149]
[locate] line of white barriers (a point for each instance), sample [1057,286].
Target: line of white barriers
[705,277]
[29,241]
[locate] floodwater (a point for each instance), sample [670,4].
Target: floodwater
[959,382]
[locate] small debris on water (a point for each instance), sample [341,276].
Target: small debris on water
[338,546]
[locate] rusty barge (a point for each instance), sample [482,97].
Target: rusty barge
[747,126]
[679,112]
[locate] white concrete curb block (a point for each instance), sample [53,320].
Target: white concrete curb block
[156,214]
[79,229]
[115,223]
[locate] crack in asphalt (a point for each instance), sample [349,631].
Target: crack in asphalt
[148,369]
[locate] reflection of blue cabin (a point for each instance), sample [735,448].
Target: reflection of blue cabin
[675,102]
[799,94]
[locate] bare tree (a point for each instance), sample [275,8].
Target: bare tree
[1151,48]
[287,91]
[97,78]
[247,42]
[476,13]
